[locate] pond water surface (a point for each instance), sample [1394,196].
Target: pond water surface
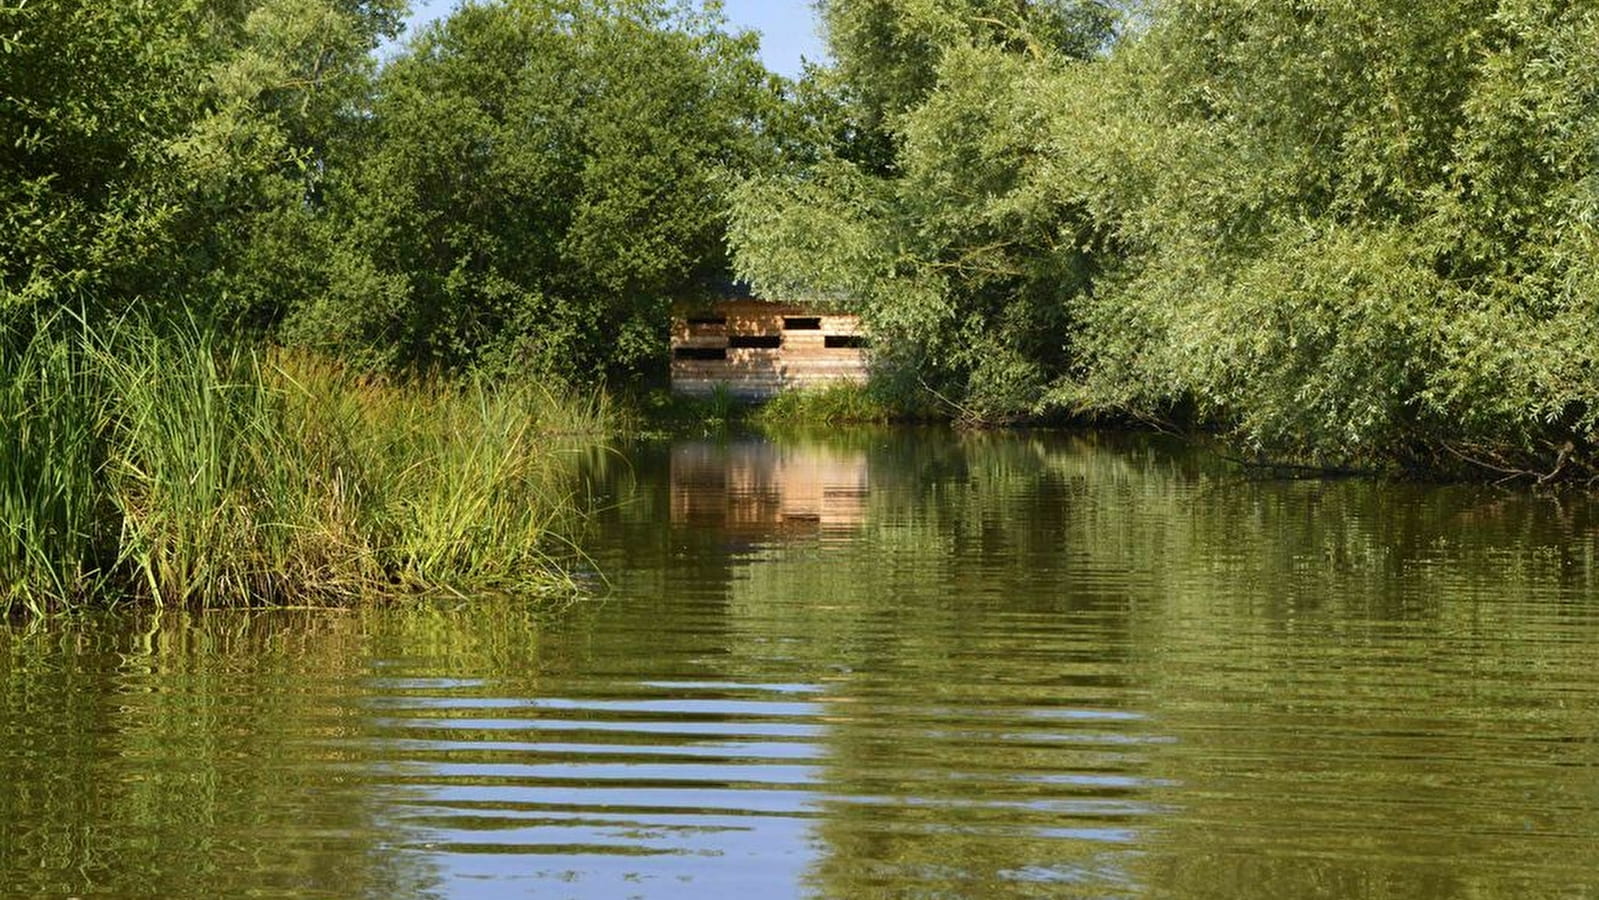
[876,664]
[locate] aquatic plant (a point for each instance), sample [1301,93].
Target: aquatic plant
[826,404]
[172,467]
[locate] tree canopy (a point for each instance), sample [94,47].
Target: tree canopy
[541,180]
[935,210]
[1341,230]
[1355,230]
[145,147]
[1348,231]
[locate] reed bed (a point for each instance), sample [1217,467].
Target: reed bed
[828,404]
[174,468]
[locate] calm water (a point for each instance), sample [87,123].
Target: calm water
[887,664]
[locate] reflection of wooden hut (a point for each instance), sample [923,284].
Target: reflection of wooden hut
[756,488]
[754,349]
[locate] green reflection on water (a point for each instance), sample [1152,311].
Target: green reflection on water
[876,663]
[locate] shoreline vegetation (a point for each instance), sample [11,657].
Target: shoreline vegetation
[1348,236]
[875,403]
[1334,238]
[172,467]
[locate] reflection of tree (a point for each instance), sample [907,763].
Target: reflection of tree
[1046,651]
[197,756]
[980,735]
[1042,666]
[659,574]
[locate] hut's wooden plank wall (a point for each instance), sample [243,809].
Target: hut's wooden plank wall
[754,349]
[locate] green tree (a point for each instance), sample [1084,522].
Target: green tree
[284,106]
[889,51]
[143,146]
[1354,231]
[542,180]
[90,95]
[936,207]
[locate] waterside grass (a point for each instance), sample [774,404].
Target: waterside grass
[828,404]
[840,403]
[174,468]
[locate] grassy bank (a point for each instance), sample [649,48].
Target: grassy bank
[172,468]
[842,403]
[831,404]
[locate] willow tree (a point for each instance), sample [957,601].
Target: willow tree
[1356,231]
[935,208]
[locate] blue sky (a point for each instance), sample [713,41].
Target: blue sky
[787,27]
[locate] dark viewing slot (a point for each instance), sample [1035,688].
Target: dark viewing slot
[844,342]
[700,353]
[762,341]
[802,323]
[706,320]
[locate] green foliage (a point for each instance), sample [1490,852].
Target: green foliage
[831,404]
[1347,232]
[168,466]
[283,109]
[1354,231]
[164,151]
[960,246]
[890,53]
[542,180]
[662,412]
[91,93]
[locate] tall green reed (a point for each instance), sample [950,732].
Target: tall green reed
[54,540]
[445,481]
[168,466]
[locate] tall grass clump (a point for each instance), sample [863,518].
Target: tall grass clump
[433,483]
[173,467]
[196,452]
[55,541]
[828,404]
